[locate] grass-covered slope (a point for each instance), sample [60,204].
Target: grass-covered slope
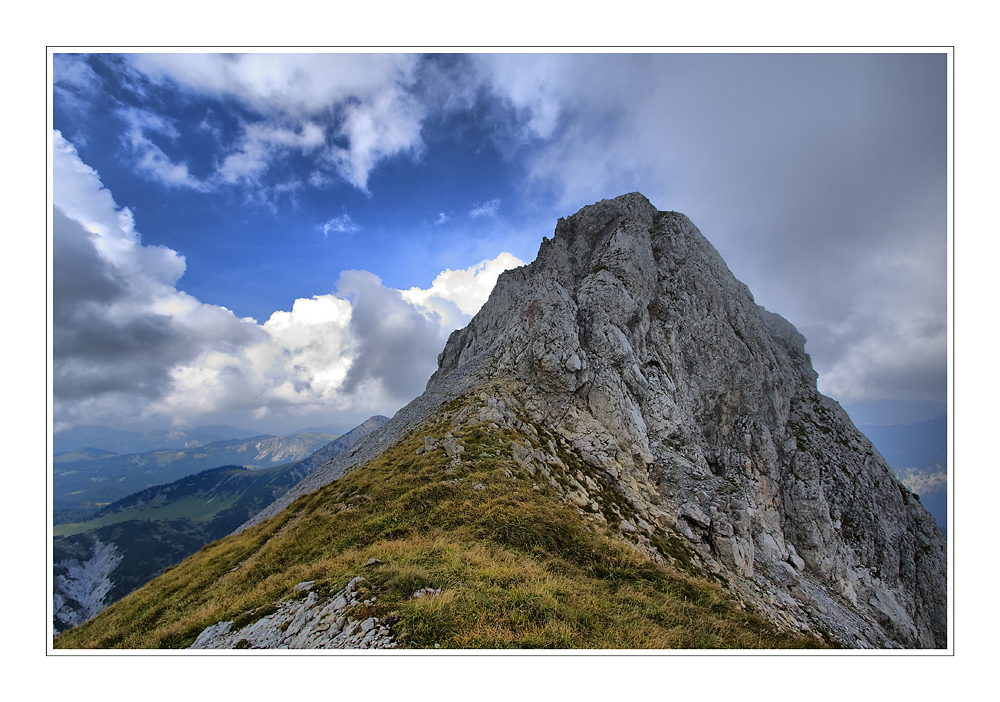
[518,566]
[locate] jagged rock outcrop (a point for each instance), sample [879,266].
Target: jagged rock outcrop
[630,340]
[313,621]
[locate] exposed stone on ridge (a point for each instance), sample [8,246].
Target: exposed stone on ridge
[314,621]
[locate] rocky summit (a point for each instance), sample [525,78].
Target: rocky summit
[629,377]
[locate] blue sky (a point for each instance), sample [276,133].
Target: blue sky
[283,240]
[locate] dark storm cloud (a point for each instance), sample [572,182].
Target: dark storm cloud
[833,207]
[81,275]
[396,344]
[95,352]
[119,334]
[128,344]
[827,157]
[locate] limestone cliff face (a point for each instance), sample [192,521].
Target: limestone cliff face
[630,338]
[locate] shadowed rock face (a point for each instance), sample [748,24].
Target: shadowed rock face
[630,338]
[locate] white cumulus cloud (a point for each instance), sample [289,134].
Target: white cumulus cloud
[128,344]
[467,289]
[532,84]
[119,323]
[924,482]
[261,143]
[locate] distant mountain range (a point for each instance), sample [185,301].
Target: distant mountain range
[97,478]
[119,547]
[113,440]
[917,445]
[881,412]
[82,454]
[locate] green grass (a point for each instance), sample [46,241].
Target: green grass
[518,567]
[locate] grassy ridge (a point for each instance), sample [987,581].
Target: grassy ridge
[517,566]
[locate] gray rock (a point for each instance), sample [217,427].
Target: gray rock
[794,559]
[692,513]
[310,622]
[452,447]
[213,632]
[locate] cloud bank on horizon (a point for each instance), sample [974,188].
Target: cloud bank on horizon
[365,204]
